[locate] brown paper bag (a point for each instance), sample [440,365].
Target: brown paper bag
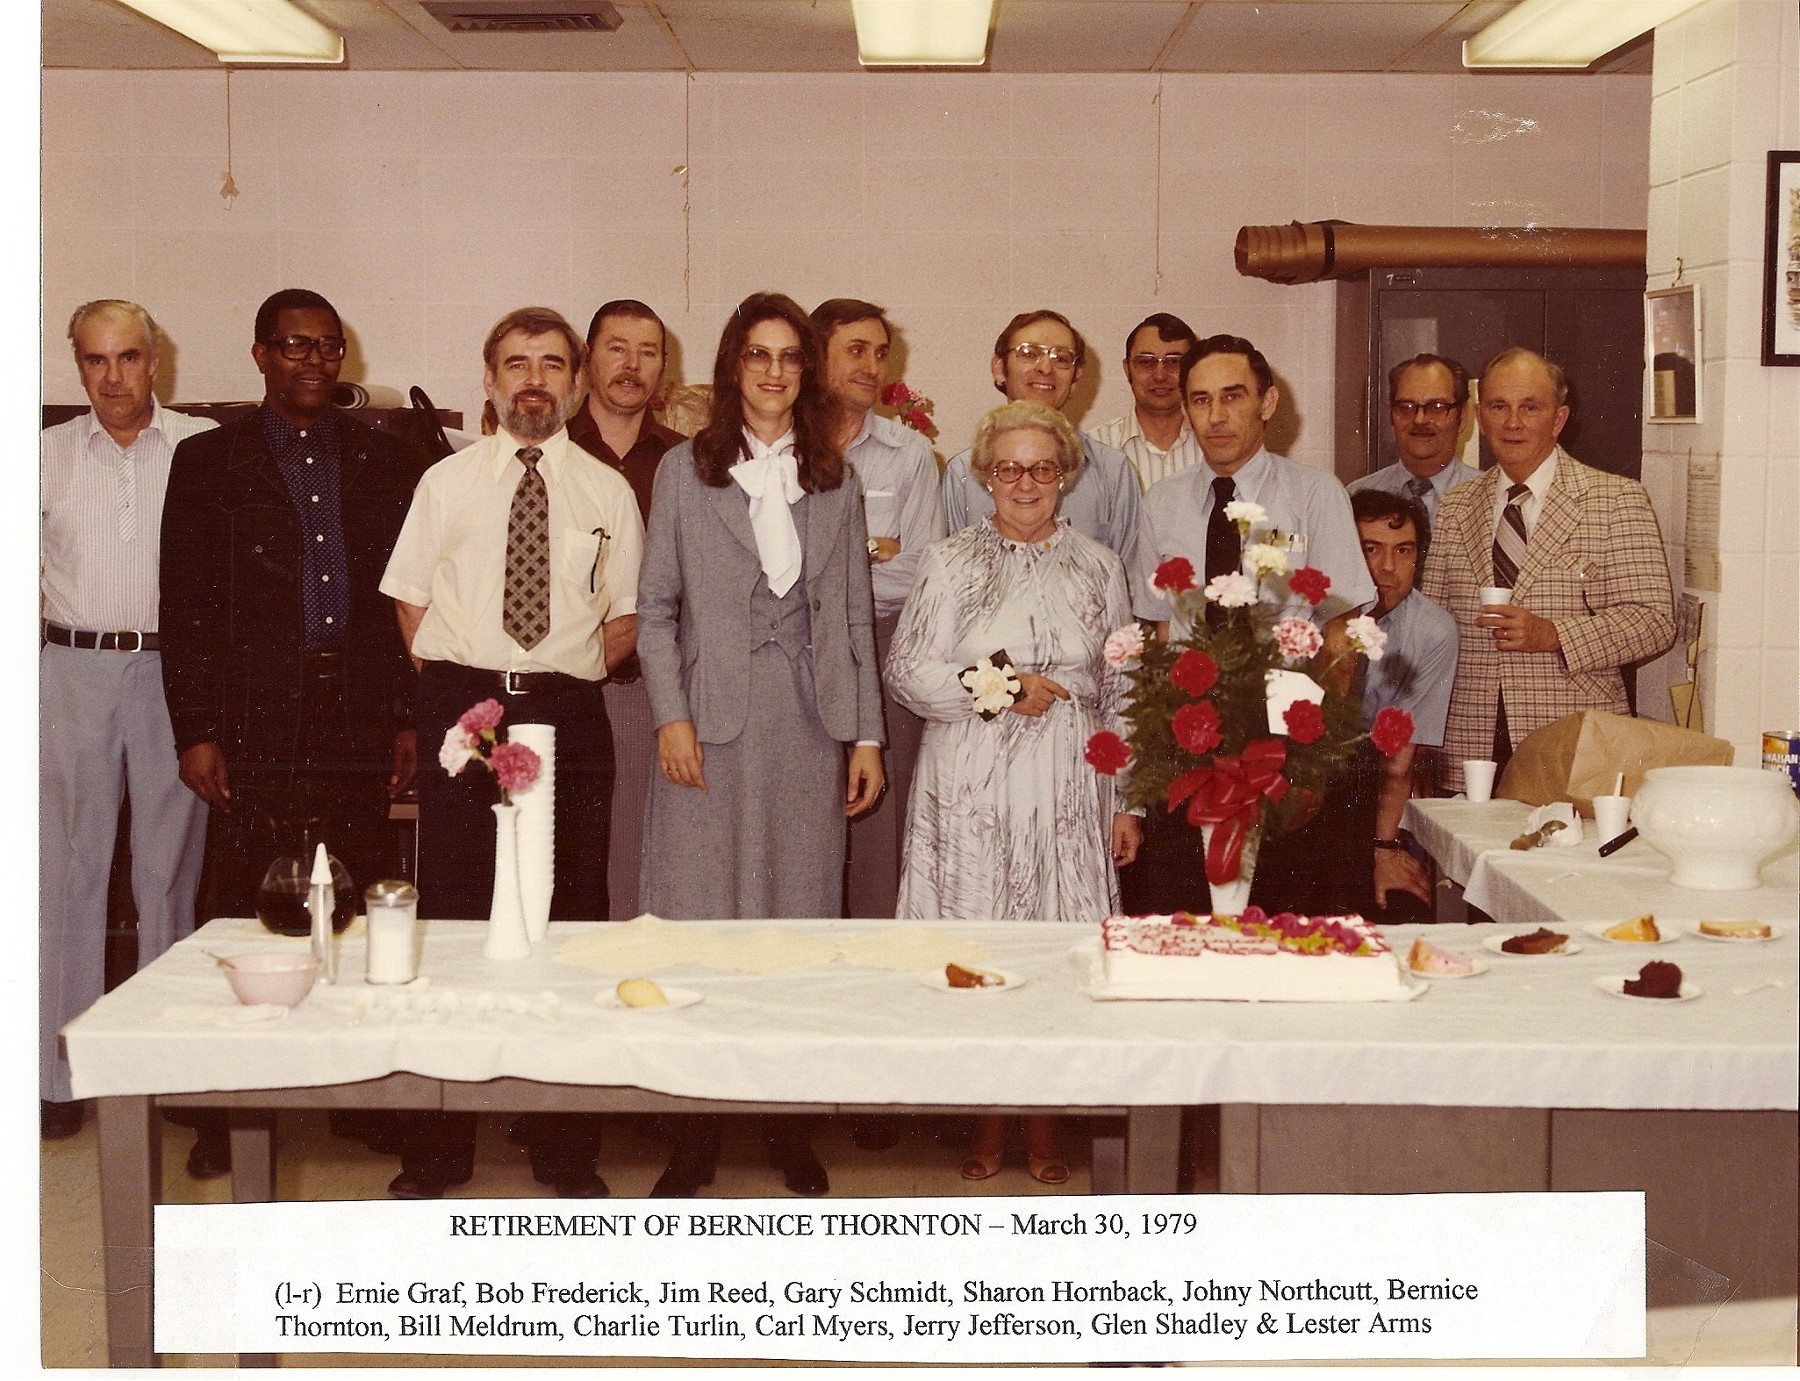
[1578,757]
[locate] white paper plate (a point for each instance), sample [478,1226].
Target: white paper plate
[1775,933]
[1493,942]
[1598,931]
[678,998]
[938,981]
[1481,967]
[1615,984]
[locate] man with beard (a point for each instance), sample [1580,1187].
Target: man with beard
[515,579]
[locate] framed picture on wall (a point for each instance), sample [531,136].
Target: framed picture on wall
[1672,331]
[1781,261]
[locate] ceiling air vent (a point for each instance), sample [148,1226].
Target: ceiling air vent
[529,17]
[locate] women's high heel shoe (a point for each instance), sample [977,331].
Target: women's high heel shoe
[1048,1169]
[977,1166]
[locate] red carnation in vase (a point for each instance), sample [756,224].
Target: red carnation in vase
[1306,722]
[1196,726]
[1194,672]
[1107,753]
[1310,583]
[1174,575]
[1392,731]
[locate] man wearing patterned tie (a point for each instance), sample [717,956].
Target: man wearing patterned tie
[1581,552]
[1428,397]
[103,724]
[515,579]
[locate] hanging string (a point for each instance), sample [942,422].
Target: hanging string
[687,202]
[1156,100]
[228,188]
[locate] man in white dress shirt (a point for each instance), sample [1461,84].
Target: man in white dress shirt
[1155,435]
[103,724]
[1428,397]
[1040,356]
[515,579]
[899,478]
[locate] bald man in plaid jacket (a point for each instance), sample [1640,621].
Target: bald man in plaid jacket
[1591,590]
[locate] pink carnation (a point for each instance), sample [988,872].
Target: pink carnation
[515,766]
[1124,645]
[481,719]
[1297,638]
[458,747]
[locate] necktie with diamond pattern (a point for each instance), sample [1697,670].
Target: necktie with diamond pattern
[1509,538]
[525,606]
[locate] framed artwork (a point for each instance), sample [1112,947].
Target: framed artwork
[1672,333]
[1781,261]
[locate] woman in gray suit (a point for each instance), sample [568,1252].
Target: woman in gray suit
[756,635]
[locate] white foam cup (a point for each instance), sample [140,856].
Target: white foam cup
[1610,816]
[1478,778]
[1496,594]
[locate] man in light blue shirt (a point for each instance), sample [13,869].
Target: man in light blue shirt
[1428,398]
[1040,356]
[1230,395]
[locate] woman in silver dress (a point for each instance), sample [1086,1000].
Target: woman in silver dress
[755,632]
[1006,819]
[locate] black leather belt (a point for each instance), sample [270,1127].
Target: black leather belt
[510,682]
[322,666]
[129,640]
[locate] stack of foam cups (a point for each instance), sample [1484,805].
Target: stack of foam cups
[537,828]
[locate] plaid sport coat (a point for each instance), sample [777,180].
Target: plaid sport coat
[1595,568]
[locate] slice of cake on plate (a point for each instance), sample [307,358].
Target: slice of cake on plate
[1435,961]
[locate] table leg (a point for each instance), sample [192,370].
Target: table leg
[1240,1148]
[253,1179]
[130,1177]
[1153,1150]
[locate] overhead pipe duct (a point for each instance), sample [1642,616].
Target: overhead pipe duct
[1311,251]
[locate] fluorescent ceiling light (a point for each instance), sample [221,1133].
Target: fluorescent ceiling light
[922,33]
[1566,33]
[248,30]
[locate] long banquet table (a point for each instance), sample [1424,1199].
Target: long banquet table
[530,1035]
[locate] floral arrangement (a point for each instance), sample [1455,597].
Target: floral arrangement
[911,407]
[473,739]
[993,684]
[1243,724]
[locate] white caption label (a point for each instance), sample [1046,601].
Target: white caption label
[1123,1278]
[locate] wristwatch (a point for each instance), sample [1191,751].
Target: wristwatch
[874,546]
[1390,843]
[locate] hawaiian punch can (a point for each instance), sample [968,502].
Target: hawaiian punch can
[1781,753]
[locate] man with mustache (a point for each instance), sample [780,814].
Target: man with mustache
[515,579]
[286,680]
[627,348]
[1428,397]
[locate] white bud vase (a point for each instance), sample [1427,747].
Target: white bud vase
[507,937]
[1230,898]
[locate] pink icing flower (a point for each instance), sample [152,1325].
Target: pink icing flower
[481,719]
[1124,645]
[1297,638]
[515,766]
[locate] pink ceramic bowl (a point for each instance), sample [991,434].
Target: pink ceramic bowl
[284,979]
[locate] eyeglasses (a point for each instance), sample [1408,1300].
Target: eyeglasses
[1437,409]
[1060,356]
[759,358]
[299,347]
[1043,471]
[1151,364]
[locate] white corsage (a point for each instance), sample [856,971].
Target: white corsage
[993,684]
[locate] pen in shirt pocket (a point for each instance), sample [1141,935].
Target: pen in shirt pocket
[594,570]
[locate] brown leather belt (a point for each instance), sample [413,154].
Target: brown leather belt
[510,682]
[127,640]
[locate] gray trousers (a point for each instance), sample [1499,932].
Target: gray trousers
[103,729]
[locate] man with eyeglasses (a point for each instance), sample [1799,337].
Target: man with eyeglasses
[1578,548]
[1155,435]
[287,682]
[1040,357]
[103,724]
[1428,397]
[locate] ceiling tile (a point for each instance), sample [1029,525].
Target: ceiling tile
[1304,35]
[765,35]
[637,45]
[92,33]
[1081,36]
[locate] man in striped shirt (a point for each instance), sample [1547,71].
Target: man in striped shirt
[1155,435]
[103,725]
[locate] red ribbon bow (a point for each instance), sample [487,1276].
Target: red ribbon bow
[1229,793]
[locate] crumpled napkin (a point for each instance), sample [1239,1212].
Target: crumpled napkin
[200,1014]
[1568,836]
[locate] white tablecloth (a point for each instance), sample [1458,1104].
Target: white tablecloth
[1471,842]
[1530,1033]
